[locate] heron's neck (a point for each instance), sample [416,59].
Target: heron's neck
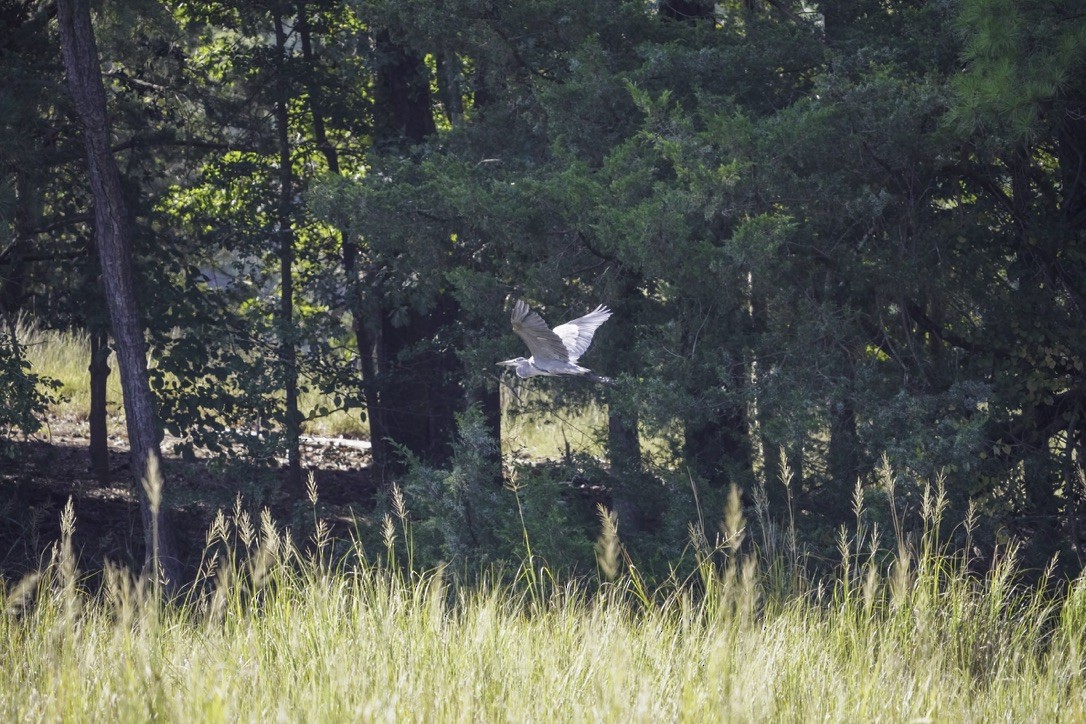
[528,369]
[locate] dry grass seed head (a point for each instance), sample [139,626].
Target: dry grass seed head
[607,546]
[734,523]
[399,505]
[269,534]
[388,532]
[152,483]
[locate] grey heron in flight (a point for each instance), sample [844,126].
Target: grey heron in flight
[554,352]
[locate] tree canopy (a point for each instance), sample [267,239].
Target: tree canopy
[837,237]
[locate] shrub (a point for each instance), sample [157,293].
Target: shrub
[24,395]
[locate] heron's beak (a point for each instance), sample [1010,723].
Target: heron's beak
[509,363]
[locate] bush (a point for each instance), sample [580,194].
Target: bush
[468,515]
[24,395]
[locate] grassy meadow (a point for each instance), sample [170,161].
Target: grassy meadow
[270,632]
[284,626]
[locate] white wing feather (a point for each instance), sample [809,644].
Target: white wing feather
[577,334]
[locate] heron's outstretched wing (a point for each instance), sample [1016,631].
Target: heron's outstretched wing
[577,335]
[543,343]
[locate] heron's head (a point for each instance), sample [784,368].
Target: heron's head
[515,362]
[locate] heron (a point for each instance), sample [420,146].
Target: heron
[554,352]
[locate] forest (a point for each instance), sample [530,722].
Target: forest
[833,240]
[844,244]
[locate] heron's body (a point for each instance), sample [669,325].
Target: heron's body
[554,352]
[544,368]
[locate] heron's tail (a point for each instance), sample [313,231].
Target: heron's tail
[600,378]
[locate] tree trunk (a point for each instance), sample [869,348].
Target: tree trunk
[401,95]
[719,449]
[764,414]
[115,255]
[631,494]
[419,396]
[624,453]
[99,376]
[288,351]
[363,321]
[418,393]
[28,211]
[842,460]
[367,330]
[450,87]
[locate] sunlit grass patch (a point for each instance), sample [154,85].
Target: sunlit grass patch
[65,356]
[551,433]
[532,427]
[539,433]
[337,423]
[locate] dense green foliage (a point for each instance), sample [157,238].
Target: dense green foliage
[831,236]
[24,395]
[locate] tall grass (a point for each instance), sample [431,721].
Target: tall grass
[276,629]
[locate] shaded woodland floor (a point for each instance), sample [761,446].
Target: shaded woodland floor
[39,475]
